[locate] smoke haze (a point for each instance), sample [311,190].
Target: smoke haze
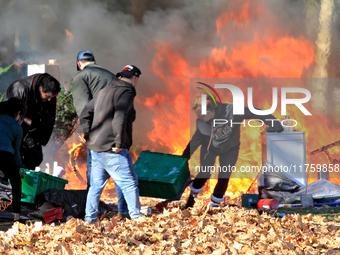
[136,32]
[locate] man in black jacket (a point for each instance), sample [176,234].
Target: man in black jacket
[220,140]
[85,85]
[38,92]
[107,125]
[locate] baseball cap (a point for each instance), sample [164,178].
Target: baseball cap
[84,54]
[129,71]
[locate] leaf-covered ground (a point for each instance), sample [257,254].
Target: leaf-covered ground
[200,230]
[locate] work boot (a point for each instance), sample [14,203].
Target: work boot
[122,216]
[190,201]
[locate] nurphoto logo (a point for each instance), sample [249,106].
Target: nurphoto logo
[238,103]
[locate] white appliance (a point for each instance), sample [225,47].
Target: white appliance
[287,151]
[52,69]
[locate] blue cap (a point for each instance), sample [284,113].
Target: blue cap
[84,54]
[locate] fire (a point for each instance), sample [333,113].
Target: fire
[240,16]
[264,53]
[69,35]
[170,132]
[267,53]
[264,59]
[75,151]
[76,169]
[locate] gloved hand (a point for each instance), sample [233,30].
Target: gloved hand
[279,130]
[31,139]
[270,130]
[29,143]
[277,127]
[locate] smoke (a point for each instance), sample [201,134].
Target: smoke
[37,30]
[117,32]
[124,32]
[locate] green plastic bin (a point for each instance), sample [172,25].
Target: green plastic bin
[35,183]
[161,175]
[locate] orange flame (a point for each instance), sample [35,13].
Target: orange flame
[267,53]
[76,167]
[172,104]
[69,35]
[270,54]
[240,15]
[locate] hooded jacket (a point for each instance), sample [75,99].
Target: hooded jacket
[107,119]
[38,120]
[224,137]
[87,83]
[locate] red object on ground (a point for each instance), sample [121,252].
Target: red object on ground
[161,206]
[268,204]
[51,215]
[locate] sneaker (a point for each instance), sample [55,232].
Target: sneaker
[212,204]
[190,201]
[215,201]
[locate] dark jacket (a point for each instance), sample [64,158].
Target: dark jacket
[224,138]
[87,83]
[10,137]
[107,119]
[38,121]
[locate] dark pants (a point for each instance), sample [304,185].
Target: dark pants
[227,160]
[10,169]
[31,157]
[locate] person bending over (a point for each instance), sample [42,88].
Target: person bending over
[10,140]
[221,140]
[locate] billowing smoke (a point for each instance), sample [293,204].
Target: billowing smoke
[117,32]
[142,33]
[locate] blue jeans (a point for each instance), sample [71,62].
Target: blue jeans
[119,167]
[89,166]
